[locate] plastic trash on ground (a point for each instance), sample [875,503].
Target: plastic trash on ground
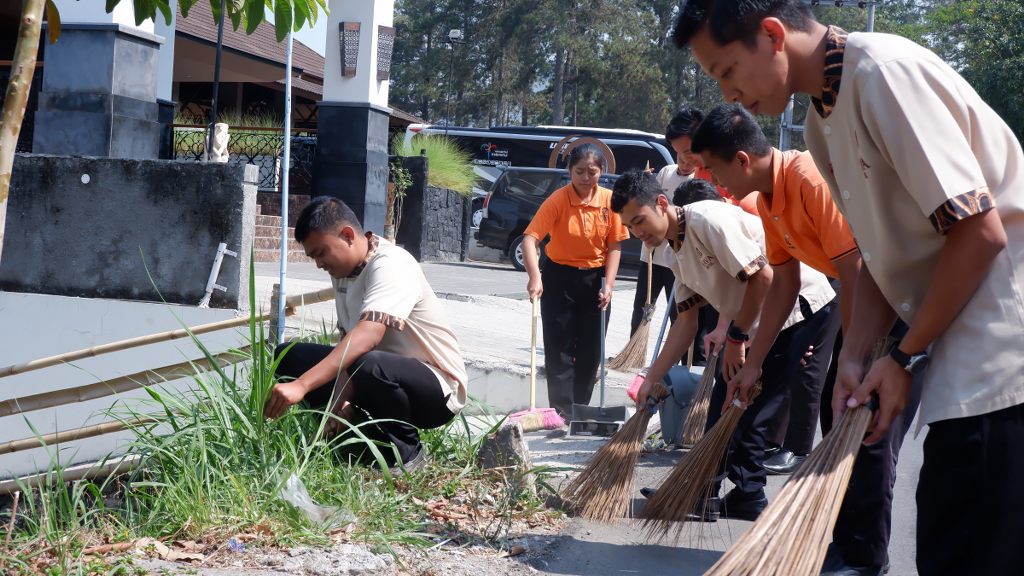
[294,492]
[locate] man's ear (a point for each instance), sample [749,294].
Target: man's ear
[347,234]
[744,159]
[775,30]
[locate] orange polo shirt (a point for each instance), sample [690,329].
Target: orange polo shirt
[800,218]
[748,204]
[580,232]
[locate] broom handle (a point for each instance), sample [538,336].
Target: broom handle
[664,323]
[650,272]
[533,357]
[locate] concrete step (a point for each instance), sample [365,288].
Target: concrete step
[275,244]
[273,232]
[274,221]
[275,256]
[259,210]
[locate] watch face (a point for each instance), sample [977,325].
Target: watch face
[917,363]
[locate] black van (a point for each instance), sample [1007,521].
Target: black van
[513,201]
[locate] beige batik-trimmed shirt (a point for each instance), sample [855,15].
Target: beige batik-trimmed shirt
[908,149]
[716,249]
[389,287]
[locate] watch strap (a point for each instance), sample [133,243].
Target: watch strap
[901,357]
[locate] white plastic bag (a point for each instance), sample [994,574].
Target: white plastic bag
[294,491]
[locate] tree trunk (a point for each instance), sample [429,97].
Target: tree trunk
[23,68]
[557,97]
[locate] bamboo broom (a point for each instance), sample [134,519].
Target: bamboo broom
[603,491]
[791,536]
[697,417]
[634,355]
[692,477]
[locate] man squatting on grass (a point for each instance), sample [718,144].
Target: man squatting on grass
[398,358]
[720,261]
[931,182]
[803,224]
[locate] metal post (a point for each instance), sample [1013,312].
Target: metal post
[871,18]
[216,81]
[285,166]
[448,102]
[786,129]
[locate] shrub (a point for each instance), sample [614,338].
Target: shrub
[449,163]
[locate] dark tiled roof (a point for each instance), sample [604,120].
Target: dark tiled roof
[262,42]
[403,115]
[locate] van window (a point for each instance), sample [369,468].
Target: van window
[532,184]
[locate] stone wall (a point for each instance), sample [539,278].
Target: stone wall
[101,227]
[435,221]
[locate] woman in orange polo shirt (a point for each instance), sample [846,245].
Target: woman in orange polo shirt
[576,284]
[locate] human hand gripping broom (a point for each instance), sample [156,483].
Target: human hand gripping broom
[535,418]
[792,535]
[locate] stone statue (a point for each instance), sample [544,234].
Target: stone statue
[219,151]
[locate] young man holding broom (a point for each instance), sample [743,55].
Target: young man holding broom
[930,180]
[398,359]
[803,224]
[720,261]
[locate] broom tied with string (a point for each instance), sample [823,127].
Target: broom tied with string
[697,416]
[792,535]
[603,491]
[634,354]
[691,479]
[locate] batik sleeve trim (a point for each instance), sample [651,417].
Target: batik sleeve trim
[694,301]
[752,268]
[383,318]
[960,207]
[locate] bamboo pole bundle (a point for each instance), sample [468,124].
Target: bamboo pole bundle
[76,434]
[691,478]
[634,354]
[603,491]
[697,416]
[292,303]
[792,534]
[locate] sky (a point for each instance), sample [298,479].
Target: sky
[315,38]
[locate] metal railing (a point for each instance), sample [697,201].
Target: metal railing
[262,147]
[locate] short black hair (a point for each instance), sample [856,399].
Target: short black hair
[585,151]
[324,215]
[638,185]
[695,190]
[729,129]
[732,20]
[684,123]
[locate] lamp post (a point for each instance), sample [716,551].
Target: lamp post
[454,37]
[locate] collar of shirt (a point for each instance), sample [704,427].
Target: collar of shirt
[372,242]
[677,243]
[575,200]
[835,48]
[776,199]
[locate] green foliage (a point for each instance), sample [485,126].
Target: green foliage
[448,164]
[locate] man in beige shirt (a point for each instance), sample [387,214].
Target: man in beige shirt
[931,181]
[719,260]
[398,358]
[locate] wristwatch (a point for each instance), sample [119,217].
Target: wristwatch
[912,363]
[736,335]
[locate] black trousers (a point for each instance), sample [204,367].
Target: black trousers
[744,465]
[572,333]
[969,497]
[796,421]
[864,524]
[661,280]
[385,386]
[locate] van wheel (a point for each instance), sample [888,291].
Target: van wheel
[515,254]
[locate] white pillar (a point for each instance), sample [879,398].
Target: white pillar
[364,86]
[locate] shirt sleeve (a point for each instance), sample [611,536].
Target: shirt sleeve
[617,231]
[833,231]
[686,298]
[728,234]
[392,291]
[914,113]
[544,220]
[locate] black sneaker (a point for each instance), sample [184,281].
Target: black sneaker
[417,462]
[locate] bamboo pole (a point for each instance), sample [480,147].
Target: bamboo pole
[70,474]
[116,385]
[291,302]
[76,434]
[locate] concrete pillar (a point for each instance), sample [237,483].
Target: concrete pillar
[351,160]
[99,92]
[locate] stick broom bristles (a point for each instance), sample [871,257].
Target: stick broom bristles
[697,417]
[692,477]
[792,534]
[634,354]
[603,491]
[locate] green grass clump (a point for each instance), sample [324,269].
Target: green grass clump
[449,164]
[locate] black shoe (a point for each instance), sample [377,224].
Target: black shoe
[706,510]
[648,492]
[771,451]
[416,462]
[785,462]
[856,571]
[741,507]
